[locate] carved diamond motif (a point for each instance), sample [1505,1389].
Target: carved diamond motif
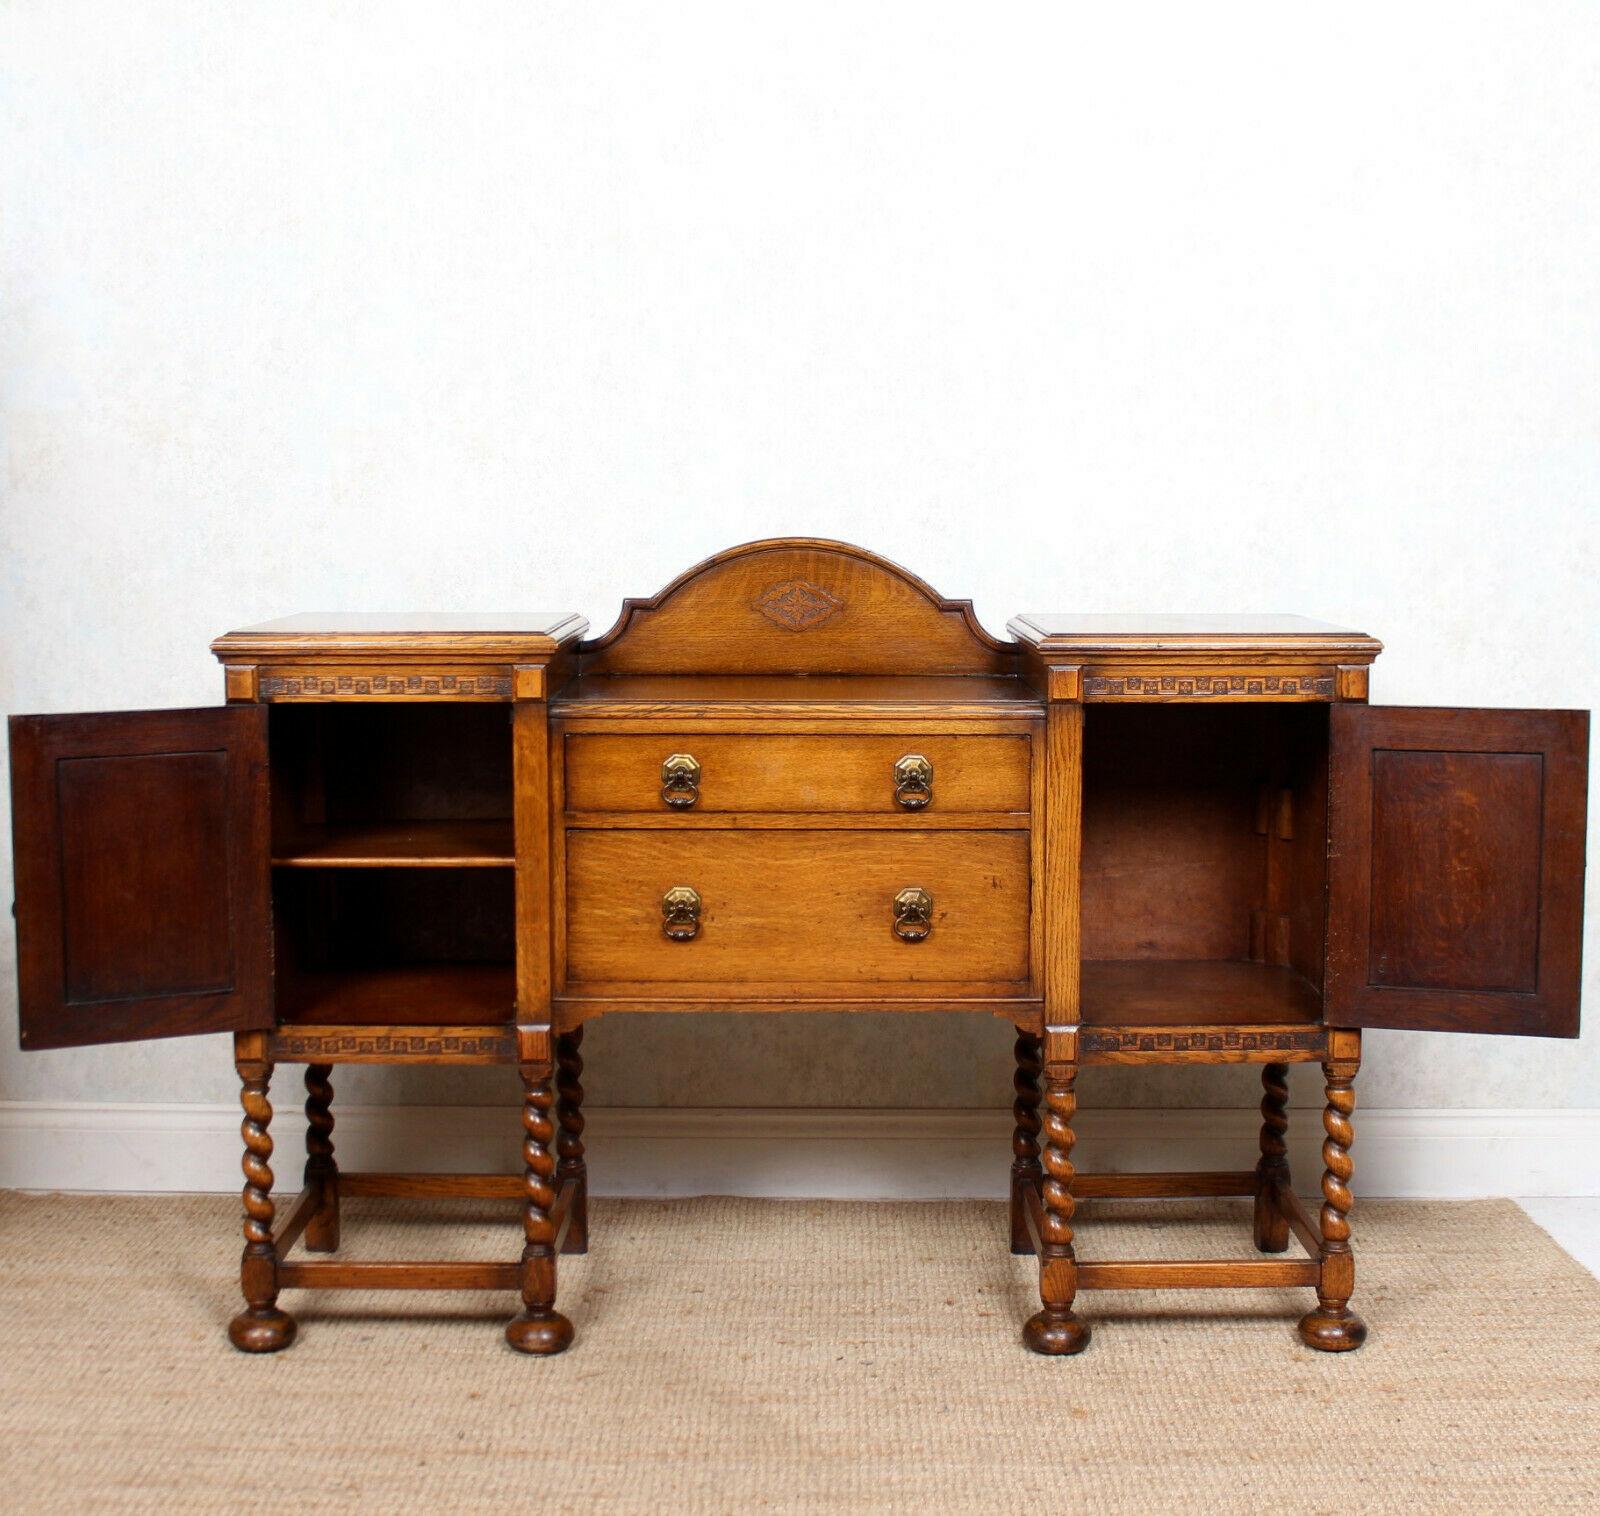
[797,606]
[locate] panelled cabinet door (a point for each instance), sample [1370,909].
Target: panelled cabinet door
[1455,869]
[142,874]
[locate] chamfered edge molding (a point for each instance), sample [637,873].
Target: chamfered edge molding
[823,1154]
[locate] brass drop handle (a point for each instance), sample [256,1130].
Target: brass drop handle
[680,913]
[680,780]
[913,781]
[913,914]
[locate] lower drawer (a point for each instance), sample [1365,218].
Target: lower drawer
[802,908]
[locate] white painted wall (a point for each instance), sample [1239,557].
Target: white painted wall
[1190,307]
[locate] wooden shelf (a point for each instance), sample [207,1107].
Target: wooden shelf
[400,845]
[1190,992]
[446,994]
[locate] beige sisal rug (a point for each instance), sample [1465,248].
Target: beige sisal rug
[739,1355]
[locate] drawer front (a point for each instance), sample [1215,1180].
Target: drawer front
[811,774]
[802,908]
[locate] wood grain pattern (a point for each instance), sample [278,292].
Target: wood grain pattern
[141,845]
[797,774]
[1456,845]
[716,619]
[448,994]
[798,907]
[1159,992]
[853,700]
[1063,862]
[398,845]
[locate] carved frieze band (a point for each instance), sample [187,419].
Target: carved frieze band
[316,1045]
[1223,1040]
[291,686]
[797,606]
[1202,686]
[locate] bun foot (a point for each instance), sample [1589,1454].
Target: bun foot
[261,1329]
[543,1332]
[1055,1335]
[1338,1330]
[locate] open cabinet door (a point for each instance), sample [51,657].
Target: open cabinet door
[1455,869]
[143,863]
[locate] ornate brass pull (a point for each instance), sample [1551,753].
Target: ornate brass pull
[913,914]
[680,913]
[680,780]
[913,781]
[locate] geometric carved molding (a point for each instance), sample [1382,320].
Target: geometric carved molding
[344,686]
[1203,686]
[314,1046]
[1153,1044]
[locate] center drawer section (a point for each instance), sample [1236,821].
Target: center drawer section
[721,773]
[894,909]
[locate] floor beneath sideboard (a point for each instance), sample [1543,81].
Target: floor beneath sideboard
[737,1354]
[1574,1223]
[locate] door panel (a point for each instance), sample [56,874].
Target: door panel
[1456,856]
[142,874]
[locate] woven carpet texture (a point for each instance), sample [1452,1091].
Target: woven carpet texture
[749,1355]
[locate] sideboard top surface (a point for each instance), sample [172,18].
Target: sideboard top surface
[495,634]
[1117,633]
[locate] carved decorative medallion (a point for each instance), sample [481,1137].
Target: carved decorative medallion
[1202,686]
[463,686]
[1231,1040]
[797,606]
[390,1044]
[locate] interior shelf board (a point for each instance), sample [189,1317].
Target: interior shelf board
[1194,992]
[446,994]
[400,845]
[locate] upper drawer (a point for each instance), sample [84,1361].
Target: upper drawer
[812,774]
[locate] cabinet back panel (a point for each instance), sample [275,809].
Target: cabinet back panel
[1197,819]
[379,762]
[371,918]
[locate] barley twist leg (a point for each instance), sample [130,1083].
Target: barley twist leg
[1272,1172]
[1333,1327]
[1026,1170]
[540,1328]
[322,1172]
[261,1327]
[1055,1329]
[569,1140]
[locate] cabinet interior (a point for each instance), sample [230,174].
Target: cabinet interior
[1204,862]
[393,853]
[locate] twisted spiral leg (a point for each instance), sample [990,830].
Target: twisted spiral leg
[1026,1170]
[1272,1172]
[569,1140]
[1333,1327]
[322,1172]
[1055,1329]
[261,1327]
[540,1328]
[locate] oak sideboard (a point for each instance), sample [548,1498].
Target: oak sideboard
[797,779]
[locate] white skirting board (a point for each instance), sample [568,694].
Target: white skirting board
[839,1154]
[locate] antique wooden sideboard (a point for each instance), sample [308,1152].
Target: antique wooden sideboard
[797,779]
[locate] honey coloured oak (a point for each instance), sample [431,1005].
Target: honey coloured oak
[794,911]
[802,774]
[796,779]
